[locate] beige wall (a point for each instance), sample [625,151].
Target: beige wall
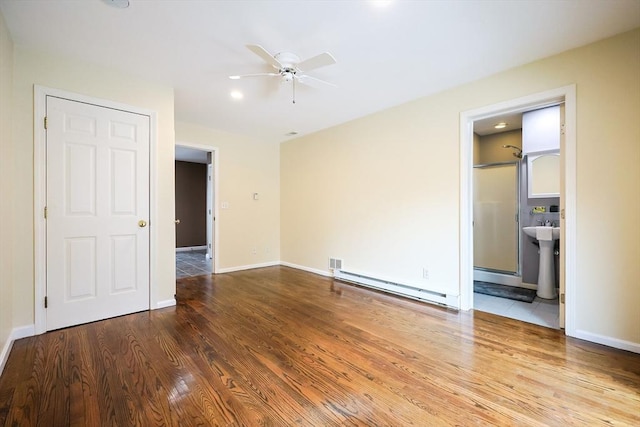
[491,148]
[246,166]
[6,184]
[382,192]
[42,69]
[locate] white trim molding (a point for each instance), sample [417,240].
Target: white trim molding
[248,267]
[215,158]
[566,94]
[164,304]
[608,341]
[40,94]
[307,269]
[16,334]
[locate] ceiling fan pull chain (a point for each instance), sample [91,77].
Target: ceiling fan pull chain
[294,89]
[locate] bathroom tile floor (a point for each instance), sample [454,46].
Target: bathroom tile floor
[193,263]
[540,312]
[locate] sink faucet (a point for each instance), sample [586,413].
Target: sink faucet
[548,223]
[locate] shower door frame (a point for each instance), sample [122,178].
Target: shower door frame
[518,272]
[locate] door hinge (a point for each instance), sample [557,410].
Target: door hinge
[562,213]
[46,122]
[561,298]
[45,302]
[45,212]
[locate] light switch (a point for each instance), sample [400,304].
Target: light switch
[255,196]
[225,205]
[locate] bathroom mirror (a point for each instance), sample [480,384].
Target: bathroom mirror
[543,174]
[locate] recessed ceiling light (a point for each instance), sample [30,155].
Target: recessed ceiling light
[120,4]
[234,77]
[501,125]
[237,94]
[292,133]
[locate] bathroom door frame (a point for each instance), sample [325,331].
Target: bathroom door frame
[566,94]
[212,198]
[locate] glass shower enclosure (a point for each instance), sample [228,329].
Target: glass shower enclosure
[496,229]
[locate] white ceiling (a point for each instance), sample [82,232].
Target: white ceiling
[385,55]
[487,126]
[192,155]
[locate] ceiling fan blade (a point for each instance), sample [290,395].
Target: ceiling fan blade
[253,75]
[312,81]
[266,56]
[317,61]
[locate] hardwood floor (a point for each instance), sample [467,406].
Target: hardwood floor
[280,347]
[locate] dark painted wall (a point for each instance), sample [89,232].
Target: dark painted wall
[191,204]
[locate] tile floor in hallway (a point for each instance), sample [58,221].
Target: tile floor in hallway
[540,312]
[193,263]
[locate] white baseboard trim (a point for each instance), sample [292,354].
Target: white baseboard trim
[608,341]
[307,269]
[6,349]
[166,303]
[248,267]
[191,248]
[16,334]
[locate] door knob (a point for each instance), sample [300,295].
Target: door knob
[142,223]
[177,221]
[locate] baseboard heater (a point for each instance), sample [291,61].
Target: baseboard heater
[397,288]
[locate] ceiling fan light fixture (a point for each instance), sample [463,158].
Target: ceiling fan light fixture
[287,76]
[289,67]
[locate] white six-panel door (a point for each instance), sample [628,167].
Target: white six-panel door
[97,213]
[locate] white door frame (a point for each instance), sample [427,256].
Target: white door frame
[214,159]
[567,198]
[40,192]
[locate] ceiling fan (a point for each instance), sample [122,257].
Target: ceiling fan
[289,67]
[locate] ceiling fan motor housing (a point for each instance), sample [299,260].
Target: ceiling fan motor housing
[287,59]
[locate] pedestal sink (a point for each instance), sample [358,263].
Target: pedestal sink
[546,272]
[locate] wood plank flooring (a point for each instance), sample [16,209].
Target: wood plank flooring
[281,347]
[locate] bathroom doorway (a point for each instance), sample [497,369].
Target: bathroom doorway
[498,240]
[196,210]
[566,213]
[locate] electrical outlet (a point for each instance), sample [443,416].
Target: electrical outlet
[254,250]
[425,273]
